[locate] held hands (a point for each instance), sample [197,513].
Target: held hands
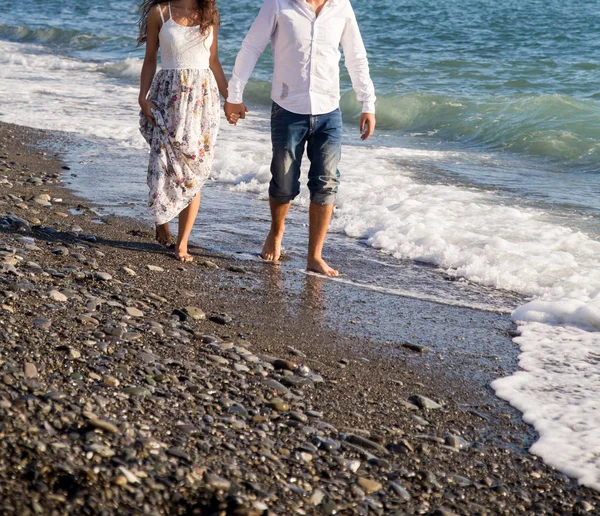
[235,112]
[147,108]
[367,126]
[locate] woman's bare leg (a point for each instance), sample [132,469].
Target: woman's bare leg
[186,222]
[163,234]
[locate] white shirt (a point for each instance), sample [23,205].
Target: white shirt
[306,55]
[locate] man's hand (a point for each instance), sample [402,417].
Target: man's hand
[235,112]
[367,126]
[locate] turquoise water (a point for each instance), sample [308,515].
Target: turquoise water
[515,76]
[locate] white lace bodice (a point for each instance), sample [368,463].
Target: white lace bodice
[183,47]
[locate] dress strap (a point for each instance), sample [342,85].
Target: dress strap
[170,15]
[161,14]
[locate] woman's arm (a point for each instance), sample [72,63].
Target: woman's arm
[215,63]
[150,62]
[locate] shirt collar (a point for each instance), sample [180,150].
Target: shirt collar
[332,2]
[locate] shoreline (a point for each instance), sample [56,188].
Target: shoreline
[112,393]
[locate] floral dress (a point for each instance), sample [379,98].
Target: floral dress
[187,120]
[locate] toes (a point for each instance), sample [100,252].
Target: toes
[268,257]
[322,268]
[184,257]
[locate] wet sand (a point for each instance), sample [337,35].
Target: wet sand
[274,392]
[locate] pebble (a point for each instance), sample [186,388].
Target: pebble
[120,480]
[81,258]
[75,354]
[298,416]
[296,382]
[366,443]
[58,296]
[416,347]
[424,402]
[221,319]
[103,276]
[104,425]
[134,312]
[276,387]
[42,323]
[456,441]
[460,480]
[155,268]
[88,321]
[296,352]
[241,368]
[42,200]
[60,251]
[285,364]
[369,485]
[217,483]
[330,445]
[317,497]
[131,478]
[129,271]
[208,264]
[137,391]
[102,450]
[194,313]
[218,359]
[30,370]
[352,465]
[400,491]
[279,405]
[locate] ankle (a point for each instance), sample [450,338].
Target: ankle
[277,232]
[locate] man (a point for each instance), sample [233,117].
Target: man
[305,36]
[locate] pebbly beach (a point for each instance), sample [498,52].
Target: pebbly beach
[133,384]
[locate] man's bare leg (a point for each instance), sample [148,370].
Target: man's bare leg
[187,218]
[163,234]
[319,218]
[272,247]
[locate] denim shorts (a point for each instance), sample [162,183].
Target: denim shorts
[321,135]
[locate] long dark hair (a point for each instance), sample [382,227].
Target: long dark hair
[209,16]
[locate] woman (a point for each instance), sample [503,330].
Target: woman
[180,109]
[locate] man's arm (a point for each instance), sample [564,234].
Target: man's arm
[253,46]
[355,57]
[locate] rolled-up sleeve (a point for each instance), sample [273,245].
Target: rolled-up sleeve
[355,57]
[253,46]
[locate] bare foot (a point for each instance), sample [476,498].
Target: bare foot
[271,251]
[320,266]
[181,254]
[163,234]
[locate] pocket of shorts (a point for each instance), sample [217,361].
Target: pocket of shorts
[276,110]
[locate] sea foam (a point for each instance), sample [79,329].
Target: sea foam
[557,392]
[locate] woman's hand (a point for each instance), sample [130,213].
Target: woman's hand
[234,112]
[147,107]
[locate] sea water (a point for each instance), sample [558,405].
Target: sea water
[486,164]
